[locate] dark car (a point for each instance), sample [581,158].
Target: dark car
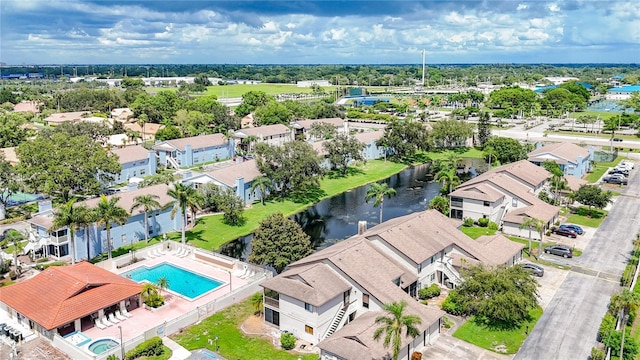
[575,228]
[566,232]
[560,250]
[617,139]
[616,179]
[536,270]
[619,171]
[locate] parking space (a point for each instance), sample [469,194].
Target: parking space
[579,242]
[549,283]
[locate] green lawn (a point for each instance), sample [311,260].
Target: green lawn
[600,168]
[588,221]
[210,232]
[535,244]
[233,344]
[234,91]
[463,152]
[604,115]
[488,338]
[476,231]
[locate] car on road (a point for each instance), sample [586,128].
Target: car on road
[615,179]
[575,228]
[565,232]
[536,270]
[560,250]
[617,139]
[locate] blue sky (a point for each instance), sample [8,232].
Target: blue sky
[318,32]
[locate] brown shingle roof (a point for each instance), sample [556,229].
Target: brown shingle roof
[268,130]
[574,183]
[306,124]
[248,170]
[481,192]
[61,294]
[559,152]
[127,197]
[149,128]
[196,142]
[314,284]
[541,211]
[26,106]
[368,136]
[499,249]
[522,170]
[59,118]
[129,154]
[10,155]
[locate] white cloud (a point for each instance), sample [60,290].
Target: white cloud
[522,7]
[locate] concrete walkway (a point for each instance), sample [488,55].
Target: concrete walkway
[179,353]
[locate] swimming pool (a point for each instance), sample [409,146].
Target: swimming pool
[181,281]
[103,345]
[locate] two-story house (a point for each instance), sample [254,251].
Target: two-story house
[573,159]
[370,140]
[276,135]
[135,161]
[302,128]
[237,177]
[187,152]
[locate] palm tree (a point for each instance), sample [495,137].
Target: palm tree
[15,238]
[257,301]
[163,283]
[441,204]
[85,218]
[264,184]
[448,176]
[533,223]
[378,191]
[107,213]
[183,195]
[393,324]
[67,216]
[195,204]
[489,152]
[148,202]
[625,302]
[452,159]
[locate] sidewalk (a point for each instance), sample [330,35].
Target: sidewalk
[179,353]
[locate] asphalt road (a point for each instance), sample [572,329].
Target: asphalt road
[568,327]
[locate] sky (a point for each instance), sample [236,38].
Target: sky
[318,32]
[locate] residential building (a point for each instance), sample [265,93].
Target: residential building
[59,118]
[237,177]
[573,159]
[506,195]
[302,128]
[121,114]
[332,297]
[43,239]
[135,161]
[187,152]
[63,299]
[148,132]
[9,154]
[370,140]
[275,135]
[27,106]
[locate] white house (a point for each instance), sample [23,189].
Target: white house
[276,135]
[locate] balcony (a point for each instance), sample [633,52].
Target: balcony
[274,303]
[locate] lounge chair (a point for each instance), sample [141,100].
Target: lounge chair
[106,322]
[98,324]
[150,254]
[119,316]
[247,275]
[160,251]
[186,253]
[112,318]
[126,313]
[240,272]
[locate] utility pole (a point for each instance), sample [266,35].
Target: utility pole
[423,56]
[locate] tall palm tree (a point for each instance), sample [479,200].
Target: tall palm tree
[264,184]
[195,204]
[15,238]
[257,301]
[533,223]
[448,177]
[86,218]
[67,216]
[148,202]
[489,152]
[162,283]
[625,302]
[107,213]
[452,159]
[378,192]
[183,195]
[393,324]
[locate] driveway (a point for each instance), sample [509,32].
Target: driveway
[569,324]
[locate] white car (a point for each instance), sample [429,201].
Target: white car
[627,164]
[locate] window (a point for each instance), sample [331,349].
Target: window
[432,277]
[514,202]
[272,316]
[124,238]
[308,329]
[308,307]
[143,171]
[365,301]
[135,173]
[486,203]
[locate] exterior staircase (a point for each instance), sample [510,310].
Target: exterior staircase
[451,274]
[336,322]
[173,162]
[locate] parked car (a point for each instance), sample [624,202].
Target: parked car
[629,165]
[565,232]
[624,172]
[617,139]
[560,250]
[536,270]
[575,228]
[616,179]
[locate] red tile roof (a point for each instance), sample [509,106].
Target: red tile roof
[62,294]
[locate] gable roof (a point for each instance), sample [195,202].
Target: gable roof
[523,170]
[129,154]
[500,248]
[59,118]
[306,124]
[248,170]
[541,211]
[24,106]
[149,128]
[196,142]
[574,183]
[10,155]
[127,198]
[61,294]
[368,136]
[262,131]
[482,192]
[561,153]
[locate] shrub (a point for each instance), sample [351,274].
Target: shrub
[288,341]
[151,347]
[468,222]
[627,275]
[446,322]
[493,226]
[12,275]
[597,354]
[451,305]
[429,292]
[607,325]
[483,222]
[630,345]
[416,355]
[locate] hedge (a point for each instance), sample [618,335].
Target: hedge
[151,347]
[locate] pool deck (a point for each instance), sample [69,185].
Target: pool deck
[143,319]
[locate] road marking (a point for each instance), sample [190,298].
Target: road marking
[596,273]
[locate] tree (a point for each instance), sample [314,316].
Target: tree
[633,102]
[378,191]
[271,113]
[484,129]
[233,208]
[490,155]
[449,179]
[405,138]
[451,133]
[257,301]
[533,223]
[148,202]
[183,195]
[162,283]
[499,296]
[68,216]
[625,302]
[343,149]
[393,324]
[508,150]
[441,204]
[85,218]
[169,132]
[12,130]
[278,242]
[8,184]
[264,184]
[557,180]
[592,196]
[107,213]
[322,131]
[64,165]
[250,101]
[16,239]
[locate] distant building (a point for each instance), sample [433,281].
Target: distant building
[27,106]
[573,159]
[187,152]
[237,177]
[121,114]
[302,128]
[147,133]
[622,93]
[275,135]
[310,83]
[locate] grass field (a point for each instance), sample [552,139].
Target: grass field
[600,168]
[233,344]
[235,91]
[587,221]
[604,115]
[490,338]
[476,231]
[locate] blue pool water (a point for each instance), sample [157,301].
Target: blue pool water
[102,345]
[181,281]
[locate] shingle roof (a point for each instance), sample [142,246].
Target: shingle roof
[196,142]
[61,294]
[127,198]
[129,154]
[59,118]
[541,211]
[269,130]
[306,124]
[248,170]
[522,170]
[500,249]
[574,183]
[314,284]
[480,191]
[10,154]
[149,128]
[368,136]
[559,152]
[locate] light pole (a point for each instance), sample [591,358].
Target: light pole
[121,342]
[230,278]
[216,339]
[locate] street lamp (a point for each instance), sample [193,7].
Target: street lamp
[121,342]
[216,339]
[230,278]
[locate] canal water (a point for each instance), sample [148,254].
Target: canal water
[336,218]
